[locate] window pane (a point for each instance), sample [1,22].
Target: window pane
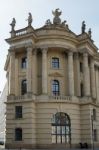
[24,87]
[67,130]
[53,129]
[58,130]
[55,87]
[55,63]
[18,134]
[58,139]
[53,138]
[63,139]
[18,111]
[67,138]
[24,62]
[63,129]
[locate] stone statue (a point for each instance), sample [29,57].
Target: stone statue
[90,32]
[29,19]
[48,22]
[56,19]
[83,27]
[13,24]
[64,23]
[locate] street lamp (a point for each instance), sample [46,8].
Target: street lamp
[92,132]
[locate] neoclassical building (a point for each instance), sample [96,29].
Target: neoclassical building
[53,86]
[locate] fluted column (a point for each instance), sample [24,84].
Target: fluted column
[34,71]
[77,74]
[97,83]
[70,74]
[29,69]
[12,73]
[86,76]
[92,77]
[44,71]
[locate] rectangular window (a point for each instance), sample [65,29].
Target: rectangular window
[55,63]
[24,63]
[18,134]
[18,111]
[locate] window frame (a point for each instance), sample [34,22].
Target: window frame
[62,130]
[24,63]
[18,134]
[55,63]
[55,87]
[18,112]
[23,87]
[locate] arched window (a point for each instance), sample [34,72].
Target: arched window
[55,87]
[24,87]
[24,62]
[18,134]
[61,128]
[55,62]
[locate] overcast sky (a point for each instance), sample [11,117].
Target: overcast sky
[74,11]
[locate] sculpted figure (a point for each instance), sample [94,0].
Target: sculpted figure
[64,23]
[83,27]
[90,32]
[13,24]
[56,19]
[48,22]
[30,19]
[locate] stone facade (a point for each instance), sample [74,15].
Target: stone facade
[77,75]
[3,99]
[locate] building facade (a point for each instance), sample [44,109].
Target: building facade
[53,86]
[3,99]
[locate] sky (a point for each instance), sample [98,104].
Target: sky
[73,11]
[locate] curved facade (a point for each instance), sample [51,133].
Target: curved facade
[52,73]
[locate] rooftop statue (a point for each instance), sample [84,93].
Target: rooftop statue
[48,22]
[29,19]
[56,19]
[13,24]
[90,32]
[83,27]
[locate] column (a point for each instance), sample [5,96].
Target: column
[92,77]
[70,74]
[77,74]
[12,73]
[34,71]
[44,71]
[16,77]
[29,69]
[97,84]
[86,76]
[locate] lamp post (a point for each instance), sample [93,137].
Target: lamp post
[92,132]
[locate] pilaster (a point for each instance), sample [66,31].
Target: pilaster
[29,69]
[12,73]
[92,77]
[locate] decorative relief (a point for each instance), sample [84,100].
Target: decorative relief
[56,74]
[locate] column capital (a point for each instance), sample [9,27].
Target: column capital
[70,53]
[85,54]
[29,46]
[34,51]
[44,50]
